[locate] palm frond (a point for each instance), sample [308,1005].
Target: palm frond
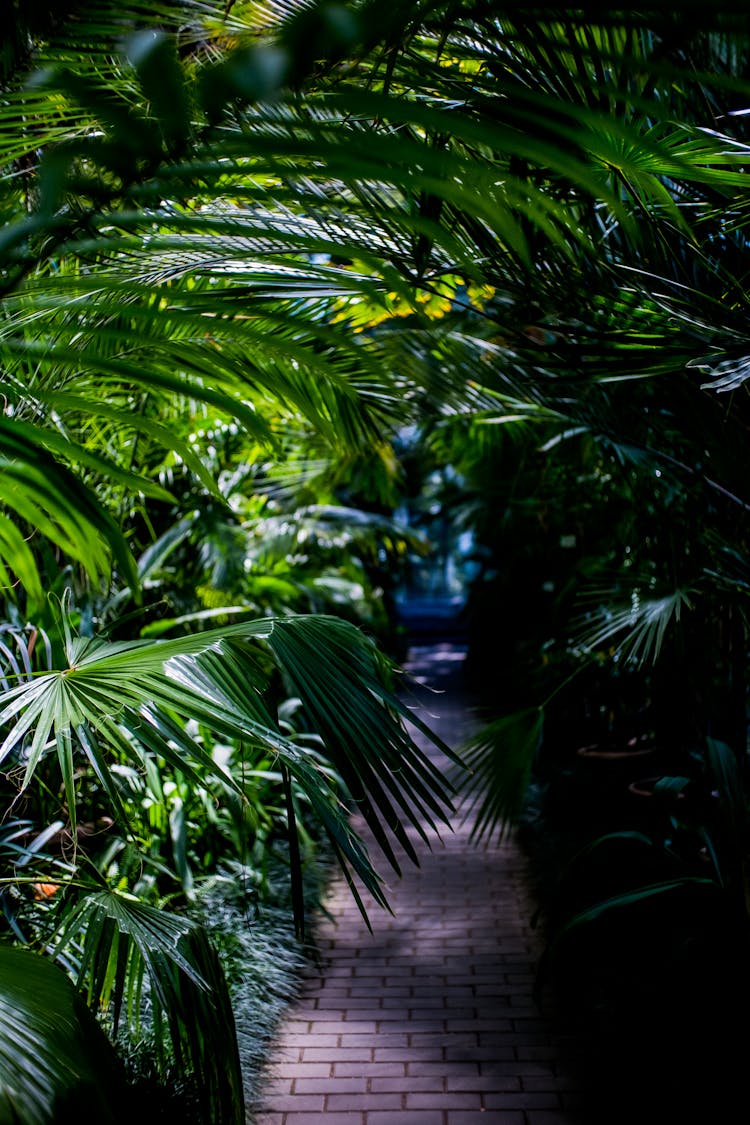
[121,698]
[50,498]
[499,760]
[134,954]
[447,163]
[55,1060]
[641,626]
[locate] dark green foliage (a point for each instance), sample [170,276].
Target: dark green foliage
[244,247]
[55,1061]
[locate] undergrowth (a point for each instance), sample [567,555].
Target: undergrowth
[264,963]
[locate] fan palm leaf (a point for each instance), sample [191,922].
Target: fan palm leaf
[499,760]
[126,952]
[639,629]
[122,698]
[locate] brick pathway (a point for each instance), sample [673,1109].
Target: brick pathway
[430,1019]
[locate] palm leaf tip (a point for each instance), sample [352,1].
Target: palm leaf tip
[499,760]
[342,681]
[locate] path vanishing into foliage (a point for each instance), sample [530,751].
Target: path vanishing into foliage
[429,1020]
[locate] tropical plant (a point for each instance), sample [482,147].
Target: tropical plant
[223,680]
[65,435]
[647,930]
[316,225]
[634,469]
[56,1062]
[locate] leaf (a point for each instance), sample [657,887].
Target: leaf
[499,760]
[339,677]
[49,497]
[161,433]
[627,899]
[641,626]
[178,832]
[733,802]
[16,554]
[154,58]
[186,985]
[218,678]
[55,1061]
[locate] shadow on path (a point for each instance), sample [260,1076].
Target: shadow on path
[431,1019]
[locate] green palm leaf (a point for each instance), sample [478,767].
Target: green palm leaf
[123,945]
[55,1061]
[639,629]
[124,697]
[499,761]
[49,497]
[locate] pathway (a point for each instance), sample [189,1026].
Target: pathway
[429,1020]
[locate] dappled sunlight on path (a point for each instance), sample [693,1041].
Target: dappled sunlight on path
[430,1019]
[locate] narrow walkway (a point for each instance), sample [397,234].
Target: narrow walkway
[429,1020]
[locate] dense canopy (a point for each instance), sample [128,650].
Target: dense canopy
[268,271]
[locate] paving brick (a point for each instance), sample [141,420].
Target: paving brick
[522,1100]
[492,1082]
[408,1084]
[331,1085]
[482,1054]
[338,1025]
[393,1014]
[347,1118]
[449,1099]
[302,1039]
[393,993]
[390,971]
[308,1069]
[393,1054]
[425,1039]
[414,1027]
[364,1102]
[342,1054]
[483,1117]
[425,1068]
[383,1038]
[420,1001]
[401,1117]
[309,1102]
[371,1070]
